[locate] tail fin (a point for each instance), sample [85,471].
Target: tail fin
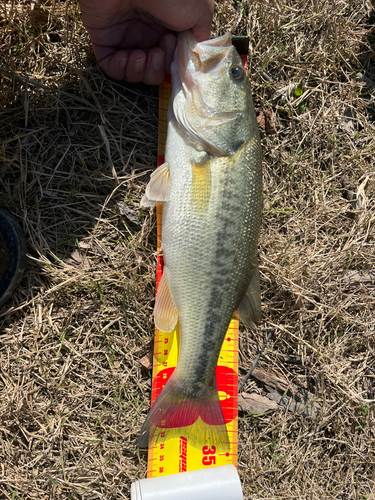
[197,416]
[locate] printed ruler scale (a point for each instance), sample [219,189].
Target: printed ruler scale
[176,455]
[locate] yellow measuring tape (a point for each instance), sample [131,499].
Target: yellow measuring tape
[176,455]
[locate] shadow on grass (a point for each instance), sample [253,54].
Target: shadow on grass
[72,158]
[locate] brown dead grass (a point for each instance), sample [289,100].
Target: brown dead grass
[77,150]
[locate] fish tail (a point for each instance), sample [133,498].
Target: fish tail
[197,416]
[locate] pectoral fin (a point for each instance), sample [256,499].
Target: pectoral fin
[158,189]
[165,312]
[249,309]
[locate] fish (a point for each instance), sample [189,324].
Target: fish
[211,190]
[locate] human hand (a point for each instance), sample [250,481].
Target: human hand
[135,40]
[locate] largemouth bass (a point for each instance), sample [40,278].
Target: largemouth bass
[211,189]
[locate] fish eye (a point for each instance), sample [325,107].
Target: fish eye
[236,72]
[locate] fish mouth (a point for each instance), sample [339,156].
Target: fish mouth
[196,59]
[202,57]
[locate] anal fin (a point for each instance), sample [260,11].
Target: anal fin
[165,312]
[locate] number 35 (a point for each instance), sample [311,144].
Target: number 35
[209,460]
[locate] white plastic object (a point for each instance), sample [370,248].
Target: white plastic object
[214,483]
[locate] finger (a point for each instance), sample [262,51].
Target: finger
[154,70]
[135,67]
[168,44]
[115,64]
[201,30]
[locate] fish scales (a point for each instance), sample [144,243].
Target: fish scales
[211,189]
[210,257]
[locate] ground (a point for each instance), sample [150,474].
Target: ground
[76,152]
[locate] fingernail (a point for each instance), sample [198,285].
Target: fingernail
[123,62]
[157,60]
[139,64]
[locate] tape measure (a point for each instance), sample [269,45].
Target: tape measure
[176,455]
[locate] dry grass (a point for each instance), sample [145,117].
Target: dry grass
[76,152]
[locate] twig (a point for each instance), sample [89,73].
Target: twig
[246,377]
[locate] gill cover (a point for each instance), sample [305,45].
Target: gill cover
[211,94]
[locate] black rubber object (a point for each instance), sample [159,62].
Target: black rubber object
[13,260]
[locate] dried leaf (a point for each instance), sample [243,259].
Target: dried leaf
[146,361]
[129,213]
[271,380]
[77,256]
[254,403]
[309,405]
[84,245]
[354,277]
[265,121]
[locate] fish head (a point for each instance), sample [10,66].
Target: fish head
[212,101]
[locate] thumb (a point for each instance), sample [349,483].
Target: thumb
[202,30]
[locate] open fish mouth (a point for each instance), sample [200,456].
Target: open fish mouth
[202,56]
[196,59]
